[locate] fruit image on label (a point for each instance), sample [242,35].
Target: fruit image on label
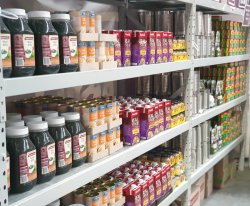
[24,51]
[67,148]
[64,153]
[5,50]
[79,146]
[48,159]
[27,163]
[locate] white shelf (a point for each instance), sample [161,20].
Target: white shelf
[213,5]
[175,194]
[215,159]
[210,113]
[25,85]
[61,185]
[219,60]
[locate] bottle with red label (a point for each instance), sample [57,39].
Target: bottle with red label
[67,42]
[23,164]
[22,44]
[45,146]
[46,42]
[78,133]
[63,141]
[5,49]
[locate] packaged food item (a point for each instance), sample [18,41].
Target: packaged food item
[90,58]
[22,44]
[22,159]
[108,110]
[151,47]
[78,134]
[110,136]
[101,107]
[139,48]
[32,118]
[90,22]
[46,114]
[82,51]
[46,42]
[63,141]
[5,49]
[147,121]
[14,122]
[89,112]
[165,47]
[100,55]
[117,47]
[78,19]
[14,116]
[111,51]
[92,143]
[126,37]
[67,42]
[45,147]
[101,141]
[8,170]
[131,127]
[158,44]
[98,24]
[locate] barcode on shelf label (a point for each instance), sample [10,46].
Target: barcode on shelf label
[45,170]
[24,179]
[66,60]
[76,156]
[19,62]
[46,61]
[61,163]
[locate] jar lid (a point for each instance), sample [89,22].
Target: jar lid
[70,116]
[13,132]
[49,114]
[55,203]
[14,116]
[55,121]
[37,126]
[18,12]
[60,17]
[14,122]
[32,118]
[39,14]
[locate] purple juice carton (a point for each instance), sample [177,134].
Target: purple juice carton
[131,127]
[164,47]
[158,43]
[150,47]
[170,47]
[147,121]
[126,37]
[167,113]
[139,48]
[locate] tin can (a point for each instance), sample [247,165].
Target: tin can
[78,197]
[108,111]
[101,141]
[90,22]
[100,55]
[92,142]
[78,19]
[118,189]
[90,115]
[110,136]
[101,113]
[111,51]
[111,185]
[92,199]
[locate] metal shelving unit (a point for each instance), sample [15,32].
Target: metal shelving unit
[43,194]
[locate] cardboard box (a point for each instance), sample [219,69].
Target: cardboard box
[195,196]
[209,183]
[221,173]
[201,184]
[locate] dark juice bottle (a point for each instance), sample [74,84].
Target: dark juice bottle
[78,134]
[5,49]
[22,44]
[45,147]
[63,141]
[23,165]
[46,42]
[67,42]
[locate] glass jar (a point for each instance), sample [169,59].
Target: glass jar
[63,141]
[22,159]
[46,42]
[67,42]
[45,146]
[22,44]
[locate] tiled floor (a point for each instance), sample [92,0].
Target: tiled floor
[235,193]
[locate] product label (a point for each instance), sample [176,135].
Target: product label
[50,50]
[24,50]
[108,110]
[110,135]
[27,163]
[6,50]
[70,54]
[102,138]
[64,153]
[92,141]
[48,159]
[8,171]
[79,146]
[82,51]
